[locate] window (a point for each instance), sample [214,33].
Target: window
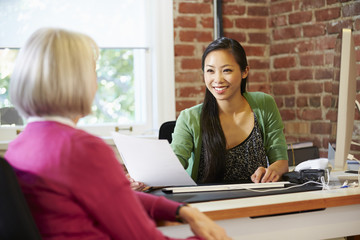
[135,68]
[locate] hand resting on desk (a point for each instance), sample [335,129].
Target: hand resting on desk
[270,174]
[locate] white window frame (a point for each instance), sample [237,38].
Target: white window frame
[160,80]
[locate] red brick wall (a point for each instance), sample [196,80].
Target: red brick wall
[293,52]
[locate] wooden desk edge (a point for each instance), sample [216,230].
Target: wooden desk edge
[282,208]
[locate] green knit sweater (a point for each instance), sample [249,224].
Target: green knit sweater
[187,141]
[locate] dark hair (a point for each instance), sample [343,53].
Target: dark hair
[213,138]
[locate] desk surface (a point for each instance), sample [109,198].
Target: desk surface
[339,217]
[278,204]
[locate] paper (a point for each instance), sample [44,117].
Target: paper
[151,161]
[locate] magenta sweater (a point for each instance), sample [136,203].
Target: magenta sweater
[77,189]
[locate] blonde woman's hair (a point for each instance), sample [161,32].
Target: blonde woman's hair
[54,74]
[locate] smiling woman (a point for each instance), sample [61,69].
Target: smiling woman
[129,63]
[234,136]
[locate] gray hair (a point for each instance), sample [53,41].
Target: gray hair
[54,74]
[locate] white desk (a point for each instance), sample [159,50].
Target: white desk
[340,217]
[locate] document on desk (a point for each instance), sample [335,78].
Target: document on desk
[151,161]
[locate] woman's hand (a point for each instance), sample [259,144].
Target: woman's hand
[136,186]
[270,174]
[201,225]
[265,175]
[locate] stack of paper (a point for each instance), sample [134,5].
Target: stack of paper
[151,161]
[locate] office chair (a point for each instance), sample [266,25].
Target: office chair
[9,115]
[16,221]
[166,130]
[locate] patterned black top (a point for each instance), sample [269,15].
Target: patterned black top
[242,160]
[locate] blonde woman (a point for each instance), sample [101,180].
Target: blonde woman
[74,185]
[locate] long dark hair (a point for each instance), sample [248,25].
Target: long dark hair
[213,138]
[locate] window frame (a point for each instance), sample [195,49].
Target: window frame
[160,80]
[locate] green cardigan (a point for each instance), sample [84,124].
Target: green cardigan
[186,142]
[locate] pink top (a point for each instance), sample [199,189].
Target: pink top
[77,189]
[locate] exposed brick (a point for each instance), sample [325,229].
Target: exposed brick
[184,21]
[357,55]
[292,47]
[255,76]
[257,11]
[320,128]
[290,101]
[279,101]
[239,36]
[304,46]
[258,87]
[300,17]
[356,39]
[301,74]
[278,76]
[301,102]
[251,23]
[329,2]
[315,101]
[327,101]
[198,8]
[227,23]
[237,10]
[259,38]
[311,4]
[314,30]
[258,64]
[207,22]
[283,89]
[336,27]
[276,49]
[324,43]
[190,63]
[287,114]
[255,50]
[331,115]
[282,7]
[184,50]
[191,36]
[183,104]
[191,91]
[296,5]
[310,114]
[312,60]
[286,33]
[328,86]
[257,1]
[297,128]
[310,87]
[327,14]
[189,76]
[284,62]
[329,59]
[357,24]
[278,21]
[324,74]
[352,9]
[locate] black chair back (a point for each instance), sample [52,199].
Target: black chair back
[166,130]
[16,221]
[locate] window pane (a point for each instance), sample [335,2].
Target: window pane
[118,86]
[111,23]
[7,60]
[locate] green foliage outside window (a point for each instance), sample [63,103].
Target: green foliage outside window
[114,101]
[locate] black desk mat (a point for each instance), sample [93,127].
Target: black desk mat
[222,195]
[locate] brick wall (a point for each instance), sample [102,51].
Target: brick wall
[293,51]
